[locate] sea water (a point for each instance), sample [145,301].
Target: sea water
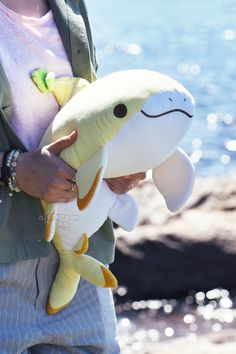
[192,41]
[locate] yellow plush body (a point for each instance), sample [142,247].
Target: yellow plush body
[127,122]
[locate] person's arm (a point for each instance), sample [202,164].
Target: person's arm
[42,174]
[124,184]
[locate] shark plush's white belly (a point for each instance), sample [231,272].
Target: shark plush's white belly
[72,224]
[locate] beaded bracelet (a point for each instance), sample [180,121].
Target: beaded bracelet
[5,173]
[8,170]
[12,164]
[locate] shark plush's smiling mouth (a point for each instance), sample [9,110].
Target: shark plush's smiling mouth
[167,112]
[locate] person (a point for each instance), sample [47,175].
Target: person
[55,35]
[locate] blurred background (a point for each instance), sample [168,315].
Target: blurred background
[177,272]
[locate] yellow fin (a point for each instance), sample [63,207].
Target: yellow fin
[110,279]
[50,229]
[66,87]
[89,178]
[83,202]
[84,247]
[53,311]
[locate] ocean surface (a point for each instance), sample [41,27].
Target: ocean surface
[191,41]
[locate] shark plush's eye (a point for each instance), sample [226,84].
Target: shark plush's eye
[120,110]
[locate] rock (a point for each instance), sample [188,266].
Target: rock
[168,255]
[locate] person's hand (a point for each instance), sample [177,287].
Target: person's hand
[42,174]
[121,185]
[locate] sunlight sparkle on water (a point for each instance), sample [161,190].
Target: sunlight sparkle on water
[213,294]
[228,119]
[226,302]
[216,327]
[196,156]
[230,145]
[225,159]
[168,308]
[229,34]
[212,118]
[121,291]
[169,332]
[188,319]
[197,143]
[133,49]
[189,69]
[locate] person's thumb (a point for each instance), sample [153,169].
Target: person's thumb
[57,146]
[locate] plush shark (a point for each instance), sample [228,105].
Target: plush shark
[128,122]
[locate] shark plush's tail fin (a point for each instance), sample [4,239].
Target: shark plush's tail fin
[94,271]
[90,268]
[73,265]
[64,286]
[44,80]
[64,88]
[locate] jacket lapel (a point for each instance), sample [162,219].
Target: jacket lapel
[71,25]
[5,114]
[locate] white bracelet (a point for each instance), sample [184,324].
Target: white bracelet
[12,164]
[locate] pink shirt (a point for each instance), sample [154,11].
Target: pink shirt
[27,43]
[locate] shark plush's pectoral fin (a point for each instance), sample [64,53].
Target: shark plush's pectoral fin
[64,286]
[82,245]
[174,178]
[94,271]
[125,212]
[89,178]
[51,220]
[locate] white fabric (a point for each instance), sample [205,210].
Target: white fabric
[174,179]
[71,223]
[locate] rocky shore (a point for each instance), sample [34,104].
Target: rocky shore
[179,256]
[168,255]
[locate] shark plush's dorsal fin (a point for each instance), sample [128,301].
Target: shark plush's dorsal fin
[174,179]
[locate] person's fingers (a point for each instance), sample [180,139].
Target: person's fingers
[60,196]
[66,196]
[121,185]
[57,146]
[64,185]
[139,176]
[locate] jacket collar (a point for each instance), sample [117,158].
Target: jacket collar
[70,17]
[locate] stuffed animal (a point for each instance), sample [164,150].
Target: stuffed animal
[128,122]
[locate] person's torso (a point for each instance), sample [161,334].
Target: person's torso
[26,44]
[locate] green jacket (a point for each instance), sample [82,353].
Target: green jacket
[21,216]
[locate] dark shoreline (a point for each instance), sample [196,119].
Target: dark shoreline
[168,255]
